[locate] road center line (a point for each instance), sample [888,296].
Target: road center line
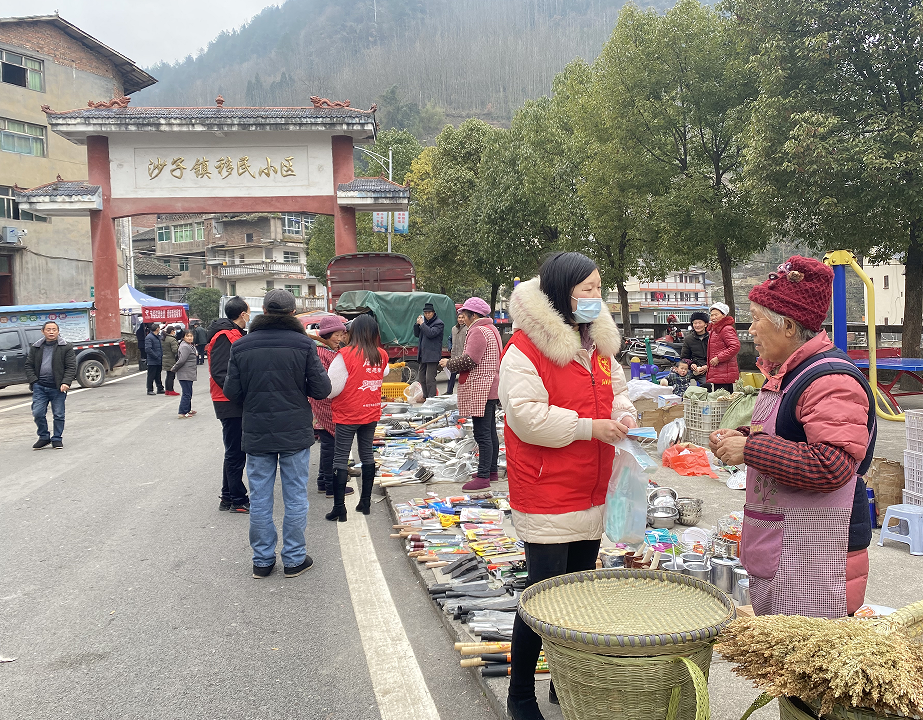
[72,392]
[396,676]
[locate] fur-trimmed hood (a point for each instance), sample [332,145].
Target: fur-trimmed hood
[533,313]
[268,321]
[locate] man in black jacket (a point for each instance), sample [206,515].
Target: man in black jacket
[695,347]
[430,329]
[221,335]
[50,369]
[153,350]
[201,340]
[271,374]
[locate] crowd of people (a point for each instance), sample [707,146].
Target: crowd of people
[275,389]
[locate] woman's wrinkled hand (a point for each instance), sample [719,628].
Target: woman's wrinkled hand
[731,450]
[609,431]
[715,438]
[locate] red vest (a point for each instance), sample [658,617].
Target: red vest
[217,392]
[545,480]
[360,401]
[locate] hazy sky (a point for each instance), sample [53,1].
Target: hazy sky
[146,31]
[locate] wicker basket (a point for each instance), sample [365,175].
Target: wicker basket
[633,644]
[910,618]
[789,710]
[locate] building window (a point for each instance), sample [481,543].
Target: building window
[312,290]
[267,254]
[184,265]
[232,288]
[163,234]
[19,70]
[291,257]
[296,224]
[183,233]
[248,237]
[21,137]
[294,290]
[885,286]
[200,231]
[166,261]
[9,208]
[240,259]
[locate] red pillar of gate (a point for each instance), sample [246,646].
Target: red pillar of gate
[344,218]
[102,242]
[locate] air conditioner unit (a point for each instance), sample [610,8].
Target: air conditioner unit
[11,235]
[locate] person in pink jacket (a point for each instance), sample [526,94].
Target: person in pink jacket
[806,527]
[723,346]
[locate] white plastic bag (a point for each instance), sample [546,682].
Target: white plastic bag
[626,501]
[671,434]
[414,392]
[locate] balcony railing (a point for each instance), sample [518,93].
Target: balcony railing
[264,268]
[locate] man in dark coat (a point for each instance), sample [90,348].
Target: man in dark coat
[153,348]
[201,340]
[695,347]
[271,374]
[50,369]
[222,333]
[429,329]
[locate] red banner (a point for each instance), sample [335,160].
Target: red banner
[164,314]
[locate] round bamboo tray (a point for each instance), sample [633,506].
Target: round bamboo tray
[627,612]
[790,711]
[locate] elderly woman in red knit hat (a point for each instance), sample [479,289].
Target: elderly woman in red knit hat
[806,528]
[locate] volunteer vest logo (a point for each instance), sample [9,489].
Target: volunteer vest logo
[605,367]
[372,385]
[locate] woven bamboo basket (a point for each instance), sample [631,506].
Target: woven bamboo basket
[788,710]
[910,618]
[632,644]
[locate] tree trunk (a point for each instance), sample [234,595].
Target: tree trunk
[494,289]
[727,280]
[913,299]
[626,313]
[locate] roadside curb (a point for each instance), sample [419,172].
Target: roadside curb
[495,689]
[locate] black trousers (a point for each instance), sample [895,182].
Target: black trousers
[153,376]
[200,351]
[171,377]
[344,443]
[452,378]
[543,562]
[232,476]
[325,472]
[428,378]
[485,434]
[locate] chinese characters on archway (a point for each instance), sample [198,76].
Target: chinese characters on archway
[224,167]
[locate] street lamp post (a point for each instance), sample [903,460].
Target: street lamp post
[381,161]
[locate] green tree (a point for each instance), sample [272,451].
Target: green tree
[204,303]
[675,89]
[836,154]
[404,148]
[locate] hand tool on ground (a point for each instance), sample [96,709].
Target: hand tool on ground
[492,658]
[504,670]
[481,648]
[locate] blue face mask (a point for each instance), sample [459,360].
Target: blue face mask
[587,309]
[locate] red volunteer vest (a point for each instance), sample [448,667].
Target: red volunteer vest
[217,392]
[545,480]
[360,401]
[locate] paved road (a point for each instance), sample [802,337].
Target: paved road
[126,594]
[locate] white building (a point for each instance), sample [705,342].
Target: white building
[888,281]
[681,293]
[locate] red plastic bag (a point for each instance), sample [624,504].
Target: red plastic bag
[688,461]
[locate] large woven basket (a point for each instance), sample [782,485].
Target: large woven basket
[628,644]
[790,711]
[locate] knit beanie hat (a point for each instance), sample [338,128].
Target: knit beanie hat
[698,315]
[800,289]
[720,307]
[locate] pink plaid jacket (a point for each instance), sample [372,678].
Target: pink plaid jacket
[323,415]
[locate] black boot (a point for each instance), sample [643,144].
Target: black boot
[368,479]
[339,494]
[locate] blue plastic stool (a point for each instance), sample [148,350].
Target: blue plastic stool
[911,518]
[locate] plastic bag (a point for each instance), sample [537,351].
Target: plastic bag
[626,501]
[414,393]
[740,412]
[688,461]
[643,389]
[671,434]
[644,460]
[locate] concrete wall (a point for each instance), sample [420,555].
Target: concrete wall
[54,263]
[889,302]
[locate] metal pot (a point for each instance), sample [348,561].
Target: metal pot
[722,573]
[673,566]
[691,557]
[700,571]
[742,592]
[662,497]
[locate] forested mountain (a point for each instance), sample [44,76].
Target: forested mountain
[459,57]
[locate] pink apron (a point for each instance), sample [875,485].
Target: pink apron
[794,542]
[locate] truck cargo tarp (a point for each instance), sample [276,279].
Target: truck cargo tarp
[397,312]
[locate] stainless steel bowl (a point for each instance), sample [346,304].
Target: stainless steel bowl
[690,510]
[662,497]
[662,517]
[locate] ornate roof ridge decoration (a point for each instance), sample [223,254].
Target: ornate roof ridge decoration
[121,102]
[320,102]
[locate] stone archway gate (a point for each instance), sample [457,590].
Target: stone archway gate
[210,159]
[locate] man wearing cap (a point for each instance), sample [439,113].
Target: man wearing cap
[479,385]
[331,336]
[271,374]
[811,439]
[223,333]
[723,346]
[429,329]
[695,346]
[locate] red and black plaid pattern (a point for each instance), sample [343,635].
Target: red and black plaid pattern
[323,415]
[818,468]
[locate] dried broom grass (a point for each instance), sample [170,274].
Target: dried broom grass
[853,664]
